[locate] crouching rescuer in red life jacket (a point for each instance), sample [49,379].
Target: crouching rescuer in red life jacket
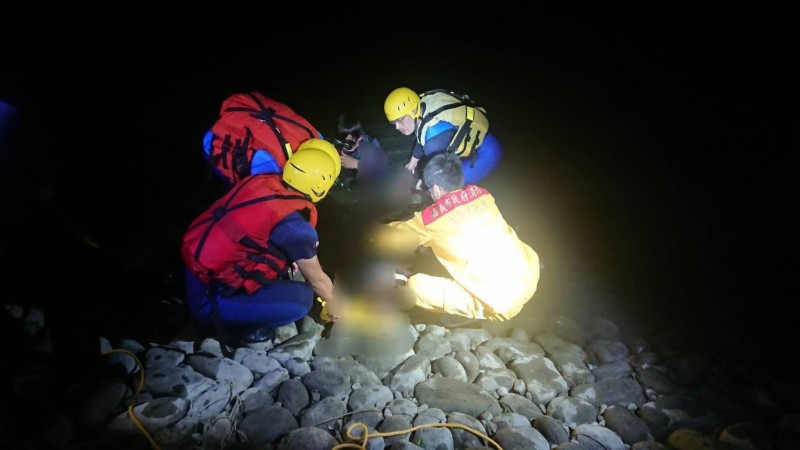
[243,253]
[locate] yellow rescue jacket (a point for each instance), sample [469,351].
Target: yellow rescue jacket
[472,240]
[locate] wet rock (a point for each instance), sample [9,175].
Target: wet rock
[521,405]
[626,424]
[594,436]
[554,431]
[466,437]
[448,367]
[511,419]
[326,414]
[281,423]
[307,437]
[393,424]
[328,383]
[746,436]
[617,391]
[521,438]
[686,439]
[456,396]
[370,397]
[572,411]
[293,395]
[605,351]
[541,377]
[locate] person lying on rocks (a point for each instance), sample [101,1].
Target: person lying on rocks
[487,272]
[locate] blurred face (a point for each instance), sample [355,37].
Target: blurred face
[354,143]
[405,125]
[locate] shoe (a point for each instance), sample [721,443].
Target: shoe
[400,279]
[454,321]
[260,335]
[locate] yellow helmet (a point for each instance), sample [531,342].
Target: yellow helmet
[402,102]
[311,171]
[325,146]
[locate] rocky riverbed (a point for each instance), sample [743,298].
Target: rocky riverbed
[536,382]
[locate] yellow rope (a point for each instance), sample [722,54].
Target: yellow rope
[136,421]
[365,436]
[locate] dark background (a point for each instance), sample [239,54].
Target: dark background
[650,155]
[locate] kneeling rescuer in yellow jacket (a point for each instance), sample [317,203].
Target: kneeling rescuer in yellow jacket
[492,272]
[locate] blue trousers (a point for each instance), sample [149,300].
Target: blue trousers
[485,161]
[276,304]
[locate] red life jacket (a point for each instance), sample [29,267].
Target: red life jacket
[229,242]
[252,121]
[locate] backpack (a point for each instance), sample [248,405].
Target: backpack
[459,110]
[249,122]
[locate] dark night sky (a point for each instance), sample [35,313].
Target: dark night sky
[653,156]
